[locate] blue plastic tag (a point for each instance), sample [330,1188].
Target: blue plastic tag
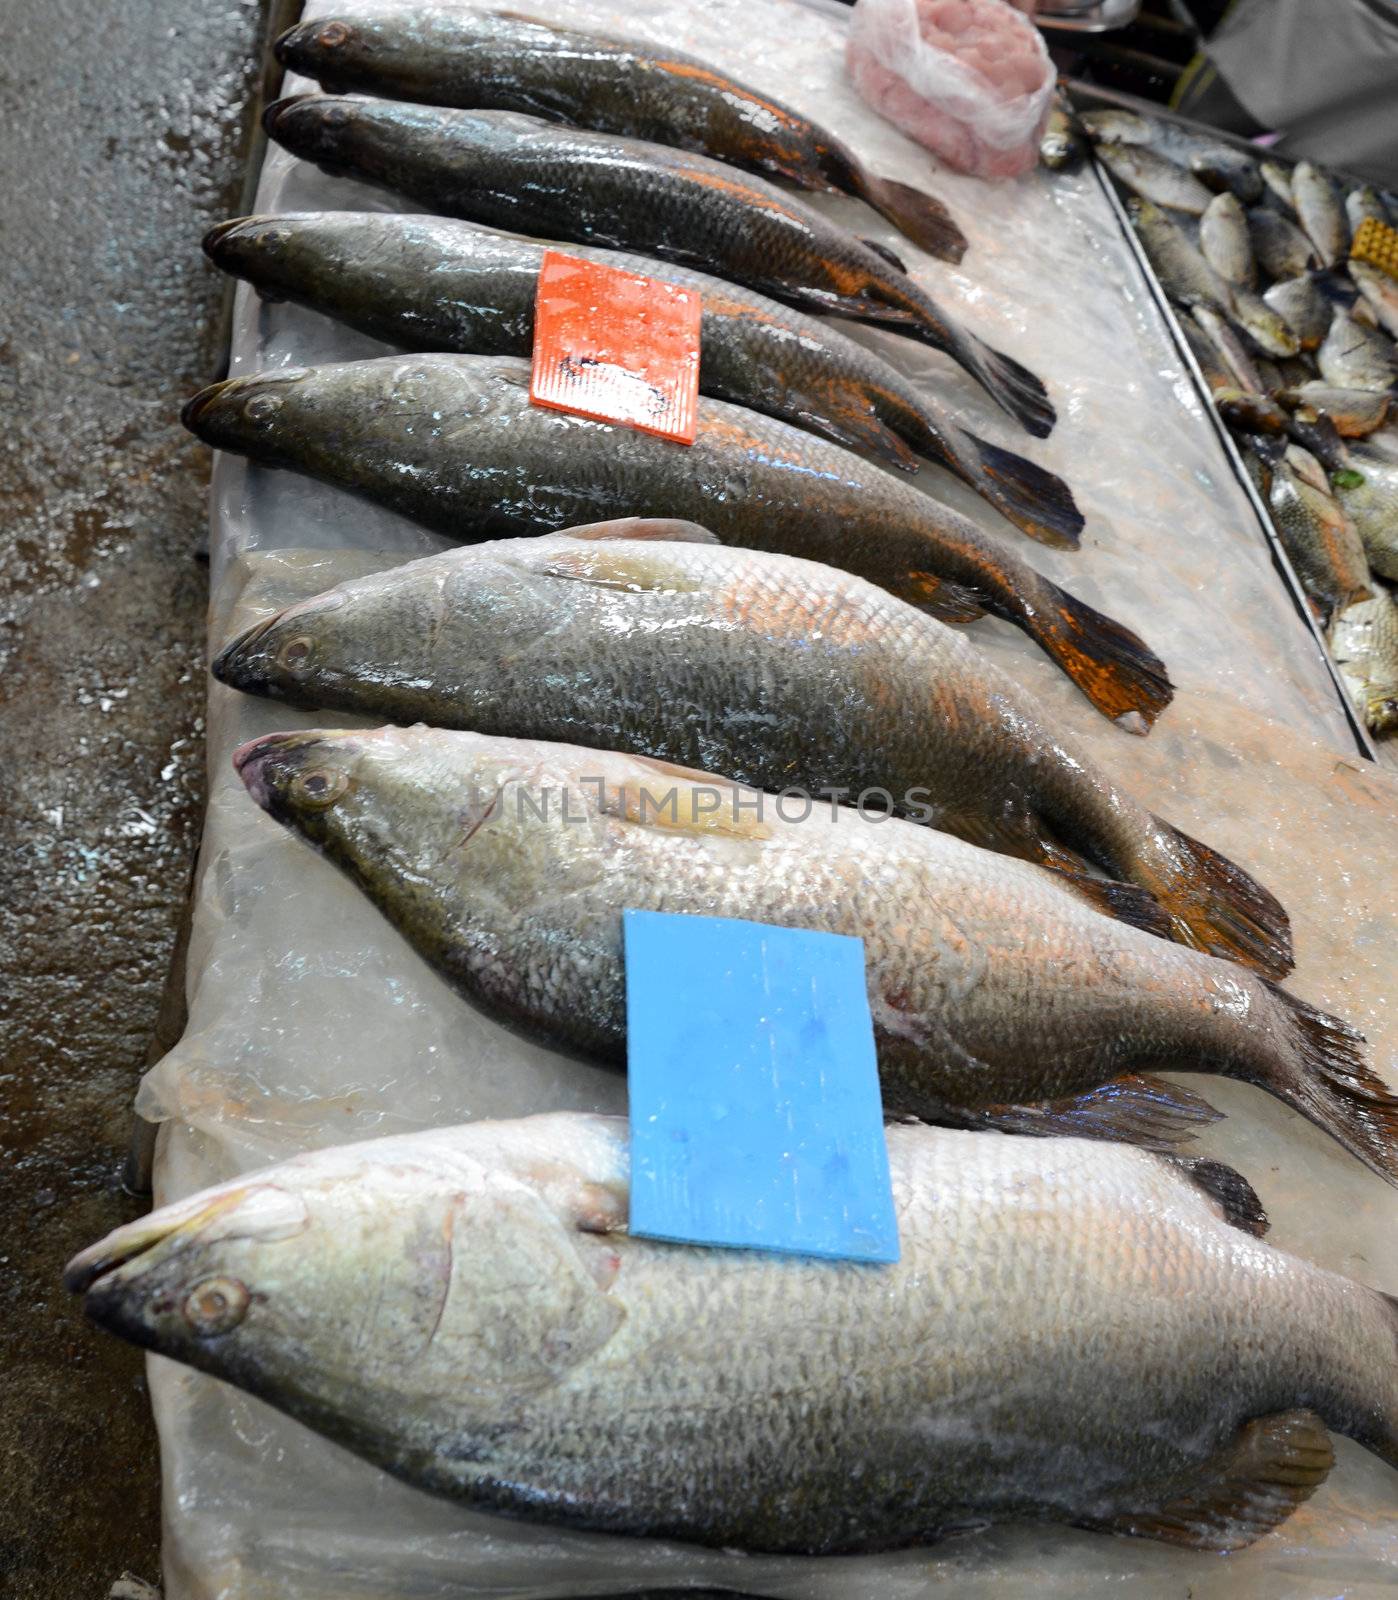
[756,1118]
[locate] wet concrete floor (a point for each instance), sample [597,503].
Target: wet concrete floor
[122,136]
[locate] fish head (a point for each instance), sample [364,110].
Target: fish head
[284,654]
[344,53]
[369,1286]
[256,416]
[276,254]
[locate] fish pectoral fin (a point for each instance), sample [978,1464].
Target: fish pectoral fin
[1135,1109]
[948,602]
[1250,1487]
[684,800]
[671,529]
[1230,1191]
[630,571]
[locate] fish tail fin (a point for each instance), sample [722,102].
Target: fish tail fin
[1036,500]
[1215,905]
[1320,1070]
[1117,671]
[918,216]
[1012,386]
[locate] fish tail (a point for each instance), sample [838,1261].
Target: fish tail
[1117,671]
[1318,1068]
[1036,500]
[1215,905]
[1012,386]
[918,216]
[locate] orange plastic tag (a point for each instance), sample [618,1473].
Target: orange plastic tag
[616,346]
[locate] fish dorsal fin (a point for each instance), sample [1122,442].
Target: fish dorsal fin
[683,800]
[887,254]
[1274,1465]
[1230,1191]
[671,529]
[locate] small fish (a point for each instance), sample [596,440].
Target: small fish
[1116,127]
[1355,412]
[1381,293]
[430,283]
[1154,178]
[1267,328]
[531,176]
[1317,434]
[480,60]
[1281,249]
[993,983]
[454,443]
[1223,169]
[1216,374]
[1279,186]
[1372,503]
[1223,237]
[1304,308]
[1250,413]
[1364,203]
[1229,349]
[790,674]
[1183,272]
[1061,146]
[1322,216]
[1356,357]
[1320,539]
[467,1309]
[1364,642]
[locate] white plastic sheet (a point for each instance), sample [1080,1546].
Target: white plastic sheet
[312,1022]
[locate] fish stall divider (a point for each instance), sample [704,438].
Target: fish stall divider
[1280,559]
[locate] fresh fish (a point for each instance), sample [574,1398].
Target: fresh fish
[1355,357]
[1381,293]
[1228,348]
[518,172]
[1267,329]
[1223,169]
[993,983]
[1279,186]
[1152,177]
[479,60]
[1250,413]
[454,443]
[1319,437]
[1281,249]
[1183,272]
[1322,216]
[1372,504]
[1304,308]
[1363,203]
[1212,366]
[1061,146]
[466,1308]
[1223,237]
[1364,642]
[1320,539]
[788,673]
[427,283]
[1117,127]
[1355,412]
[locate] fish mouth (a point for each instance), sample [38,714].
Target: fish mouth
[194,413]
[304,47]
[137,1241]
[263,761]
[219,241]
[225,664]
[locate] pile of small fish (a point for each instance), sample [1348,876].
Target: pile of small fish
[662,639]
[1296,340]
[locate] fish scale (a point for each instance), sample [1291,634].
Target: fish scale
[1086,1333]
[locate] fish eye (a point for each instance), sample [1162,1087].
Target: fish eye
[262,407]
[333,34]
[216,1306]
[295,655]
[319,786]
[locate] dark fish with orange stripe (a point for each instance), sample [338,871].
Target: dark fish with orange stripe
[517,172]
[454,443]
[482,61]
[784,674]
[430,283]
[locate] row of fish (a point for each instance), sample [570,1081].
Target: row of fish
[717,680]
[1296,340]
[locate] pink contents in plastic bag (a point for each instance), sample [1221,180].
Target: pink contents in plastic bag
[970,79]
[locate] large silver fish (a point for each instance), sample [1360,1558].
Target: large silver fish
[764,668]
[430,283]
[517,172]
[455,443]
[993,983]
[458,56]
[1074,1332]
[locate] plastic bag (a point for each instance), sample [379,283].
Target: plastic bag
[970,79]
